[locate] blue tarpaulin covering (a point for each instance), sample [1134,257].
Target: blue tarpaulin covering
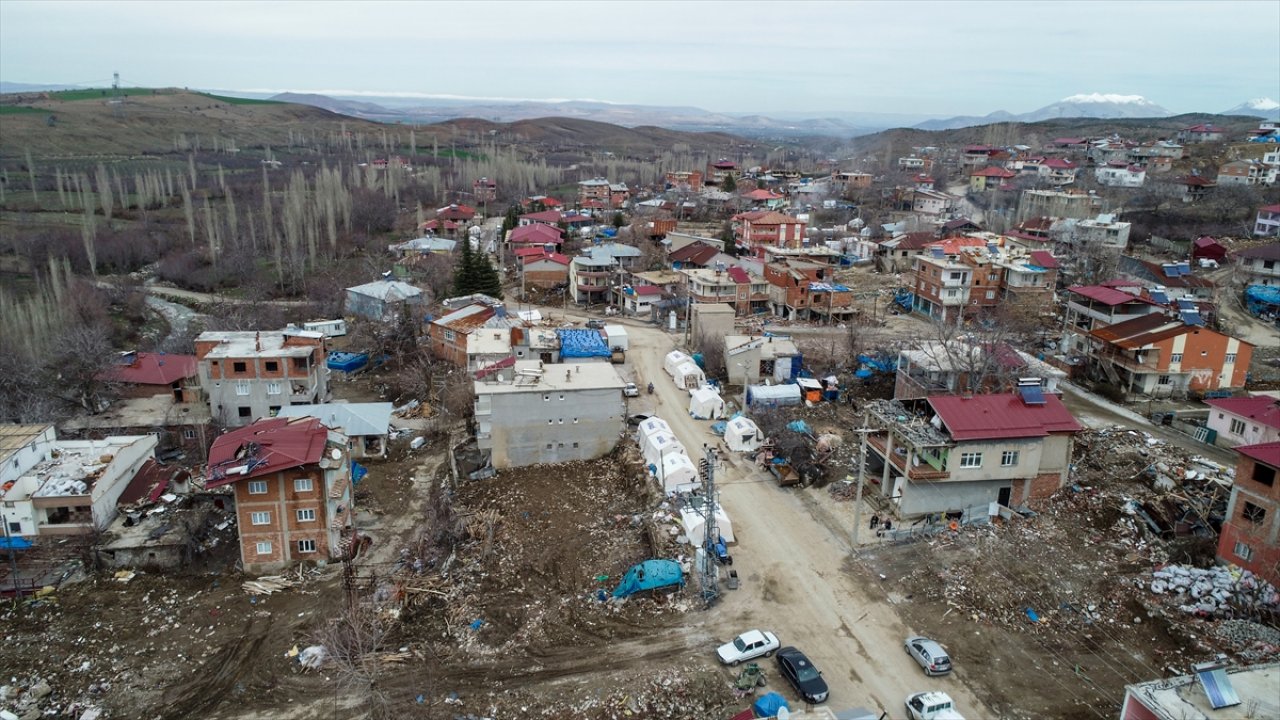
[798,426]
[1260,299]
[358,472]
[582,344]
[14,543]
[347,362]
[650,575]
[768,705]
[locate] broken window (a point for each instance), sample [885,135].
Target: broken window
[244,412]
[1264,474]
[1253,513]
[271,366]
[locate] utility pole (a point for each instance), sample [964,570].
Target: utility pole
[709,574]
[862,474]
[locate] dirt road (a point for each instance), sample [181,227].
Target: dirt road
[798,577]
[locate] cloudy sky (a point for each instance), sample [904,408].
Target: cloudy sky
[939,58]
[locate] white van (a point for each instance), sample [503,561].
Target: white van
[329,328]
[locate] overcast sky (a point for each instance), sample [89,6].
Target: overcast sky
[913,57]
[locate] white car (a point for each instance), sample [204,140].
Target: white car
[932,706]
[748,646]
[630,390]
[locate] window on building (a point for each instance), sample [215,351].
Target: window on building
[242,387]
[257,487]
[1264,474]
[1253,513]
[993,277]
[239,367]
[1237,427]
[271,366]
[260,518]
[1176,357]
[244,411]
[1242,551]
[956,275]
[575,445]
[273,388]
[306,546]
[1009,458]
[15,528]
[450,335]
[1230,359]
[991,294]
[1164,380]
[971,460]
[561,396]
[550,446]
[302,485]
[264,548]
[306,515]
[273,410]
[188,434]
[546,398]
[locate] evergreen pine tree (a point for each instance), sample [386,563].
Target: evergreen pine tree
[465,273]
[486,277]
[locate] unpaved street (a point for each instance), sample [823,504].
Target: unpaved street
[797,576]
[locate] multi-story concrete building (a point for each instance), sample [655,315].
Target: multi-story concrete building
[1096,306]
[1250,534]
[1161,356]
[801,290]
[1267,221]
[1104,231]
[292,480]
[1244,420]
[749,360]
[767,227]
[549,413]
[246,375]
[733,286]
[1009,449]
[1259,265]
[449,334]
[74,487]
[1120,174]
[1057,204]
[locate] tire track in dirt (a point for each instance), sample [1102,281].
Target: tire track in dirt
[215,679]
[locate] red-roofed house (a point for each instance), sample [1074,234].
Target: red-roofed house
[449,334]
[1095,306]
[1250,534]
[990,178]
[1160,356]
[1201,133]
[543,271]
[768,198]
[292,481]
[536,234]
[1195,187]
[803,291]
[545,217]
[765,227]
[1245,420]
[457,213]
[143,374]
[1206,248]
[975,450]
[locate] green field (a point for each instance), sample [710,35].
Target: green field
[103,93]
[21,110]
[242,101]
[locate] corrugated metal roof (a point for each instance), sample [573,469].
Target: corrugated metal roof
[1268,453]
[147,368]
[990,417]
[265,447]
[1261,408]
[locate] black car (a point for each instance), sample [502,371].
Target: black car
[638,418]
[595,324]
[802,675]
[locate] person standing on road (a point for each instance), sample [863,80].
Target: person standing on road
[875,520]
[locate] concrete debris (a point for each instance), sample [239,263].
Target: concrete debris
[1215,591]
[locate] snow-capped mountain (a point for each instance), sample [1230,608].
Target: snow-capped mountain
[1098,105]
[1090,105]
[1265,108]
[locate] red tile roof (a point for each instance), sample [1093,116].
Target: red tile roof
[1269,209]
[1268,453]
[1197,181]
[762,194]
[556,258]
[917,240]
[696,253]
[1059,163]
[265,447]
[456,212]
[537,234]
[1262,408]
[531,251]
[1204,241]
[768,217]
[1044,259]
[1104,295]
[151,482]
[995,172]
[146,368]
[1270,251]
[1142,331]
[739,275]
[547,217]
[647,290]
[991,417]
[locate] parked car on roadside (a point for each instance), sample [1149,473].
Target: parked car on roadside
[638,418]
[929,655]
[803,676]
[748,646]
[630,390]
[931,706]
[595,324]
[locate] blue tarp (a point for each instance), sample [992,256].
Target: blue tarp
[798,426]
[14,543]
[1261,299]
[347,362]
[768,705]
[582,344]
[358,472]
[650,575]
[882,363]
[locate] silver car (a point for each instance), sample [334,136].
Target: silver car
[929,654]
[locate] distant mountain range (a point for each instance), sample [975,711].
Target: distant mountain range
[1093,105]
[1265,108]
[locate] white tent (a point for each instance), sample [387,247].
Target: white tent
[658,445]
[649,427]
[693,522]
[675,359]
[706,404]
[689,376]
[742,435]
[678,474]
[773,395]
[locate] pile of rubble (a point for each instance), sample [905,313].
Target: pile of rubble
[1214,592]
[1253,641]
[33,698]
